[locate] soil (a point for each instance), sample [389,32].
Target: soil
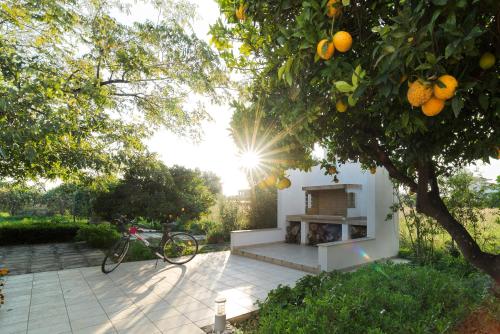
[480,321]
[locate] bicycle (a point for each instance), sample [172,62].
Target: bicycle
[175,248]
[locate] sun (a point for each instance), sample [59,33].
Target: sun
[250,160]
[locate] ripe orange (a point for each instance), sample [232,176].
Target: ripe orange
[419,92]
[341,106]
[270,180]
[342,41]
[240,13]
[325,49]
[332,170]
[332,9]
[284,183]
[373,169]
[262,185]
[445,93]
[433,107]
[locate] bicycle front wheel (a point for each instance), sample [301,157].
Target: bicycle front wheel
[115,255]
[180,248]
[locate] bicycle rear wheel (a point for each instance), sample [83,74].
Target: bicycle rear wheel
[180,248]
[114,256]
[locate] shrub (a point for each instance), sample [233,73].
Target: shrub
[381,298]
[216,236]
[99,236]
[28,231]
[139,252]
[263,208]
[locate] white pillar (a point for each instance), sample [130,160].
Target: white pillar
[304,231]
[345,232]
[323,258]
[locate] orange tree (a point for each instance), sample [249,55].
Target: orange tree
[356,103]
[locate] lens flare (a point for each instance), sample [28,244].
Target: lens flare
[250,160]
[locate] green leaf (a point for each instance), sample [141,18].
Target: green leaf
[451,48]
[484,102]
[457,104]
[405,118]
[439,2]
[356,75]
[431,58]
[346,2]
[281,70]
[343,87]
[440,84]
[288,78]
[351,100]
[424,66]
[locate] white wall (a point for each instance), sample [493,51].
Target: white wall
[374,200]
[383,236]
[292,200]
[254,237]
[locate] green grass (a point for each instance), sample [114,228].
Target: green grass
[5,218]
[490,225]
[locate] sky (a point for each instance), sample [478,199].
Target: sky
[217,152]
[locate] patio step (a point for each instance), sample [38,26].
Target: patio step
[279,262]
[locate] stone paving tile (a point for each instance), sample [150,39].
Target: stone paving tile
[21,259]
[137,297]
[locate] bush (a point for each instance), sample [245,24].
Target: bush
[263,208]
[380,298]
[29,231]
[139,252]
[99,236]
[216,236]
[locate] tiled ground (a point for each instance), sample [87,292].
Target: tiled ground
[23,259]
[136,297]
[300,257]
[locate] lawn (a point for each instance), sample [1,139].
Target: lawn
[490,227]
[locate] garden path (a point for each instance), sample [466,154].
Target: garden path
[137,297]
[25,259]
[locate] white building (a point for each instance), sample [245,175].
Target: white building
[328,225]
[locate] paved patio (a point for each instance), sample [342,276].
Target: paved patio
[24,259]
[300,257]
[136,297]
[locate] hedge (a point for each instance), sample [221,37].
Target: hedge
[15,233]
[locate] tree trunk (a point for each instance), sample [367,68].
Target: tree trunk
[429,202]
[432,205]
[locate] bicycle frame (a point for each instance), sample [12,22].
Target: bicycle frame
[133,231]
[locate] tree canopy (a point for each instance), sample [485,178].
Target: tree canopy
[295,95]
[79,89]
[151,190]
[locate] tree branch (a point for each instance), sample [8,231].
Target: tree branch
[394,172]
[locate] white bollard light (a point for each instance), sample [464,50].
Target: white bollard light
[220,315]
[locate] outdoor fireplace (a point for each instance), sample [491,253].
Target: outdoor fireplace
[321,233]
[357,231]
[293,233]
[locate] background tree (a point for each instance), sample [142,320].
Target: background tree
[465,198]
[396,42]
[212,181]
[79,89]
[70,198]
[151,190]
[493,195]
[17,197]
